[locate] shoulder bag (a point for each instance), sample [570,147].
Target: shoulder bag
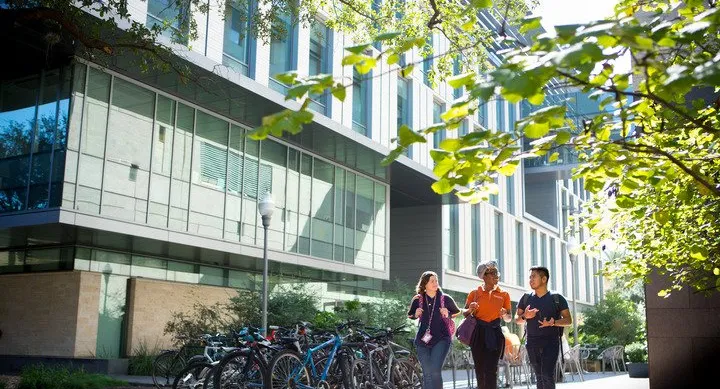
[466,329]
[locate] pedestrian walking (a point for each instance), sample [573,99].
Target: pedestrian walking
[433,338]
[545,315]
[488,303]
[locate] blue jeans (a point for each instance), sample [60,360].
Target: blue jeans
[544,361]
[432,360]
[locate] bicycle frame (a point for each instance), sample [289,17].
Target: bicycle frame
[335,342]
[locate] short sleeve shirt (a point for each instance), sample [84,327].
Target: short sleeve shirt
[489,303]
[546,309]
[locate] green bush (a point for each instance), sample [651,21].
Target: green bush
[2,385]
[615,320]
[636,352]
[42,377]
[141,360]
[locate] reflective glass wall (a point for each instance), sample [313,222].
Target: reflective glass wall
[144,157]
[33,133]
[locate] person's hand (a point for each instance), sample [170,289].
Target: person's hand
[530,313]
[473,306]
[418,312]
[444,312]
[547,323]
[503,312]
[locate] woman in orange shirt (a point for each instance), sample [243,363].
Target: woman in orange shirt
[488,303]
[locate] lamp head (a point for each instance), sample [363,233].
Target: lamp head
[572,244]
[266,206]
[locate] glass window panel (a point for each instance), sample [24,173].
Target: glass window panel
[48,259]
[499,242]
[161,162]
[148,267]
[235,43]
[110,262]
[380,206]
[281,49]
[182,272]
[551,268]
[12,261]
[181,158]
[563,267]
[212,276]
[128,160]
[167,13]
[533,247]
[520,254]
[361,105]
[305,199]
[211,151]
[510,193]
[543,250]
[241,280]
[476,238]
[322,190]
[304,239]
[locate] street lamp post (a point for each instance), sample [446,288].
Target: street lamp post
[266,207]
[572,247]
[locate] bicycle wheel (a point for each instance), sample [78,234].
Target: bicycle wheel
[360,375]
[193,376]
[406,375]
[165,368]
[286,370]
[239,369]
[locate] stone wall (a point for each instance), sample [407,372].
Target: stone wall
[683,336]
[151,304]
[49,314]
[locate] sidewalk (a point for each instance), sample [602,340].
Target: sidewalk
[591,381]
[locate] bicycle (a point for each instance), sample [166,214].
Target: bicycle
[291,369]
[387,364]
[168,364]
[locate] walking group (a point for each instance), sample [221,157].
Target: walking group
[543,313]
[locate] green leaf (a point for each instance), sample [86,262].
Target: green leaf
[286,78]
[366,66]
[562,137]
[407,70]
[661,217]
[393,155]
[509,168]
[407,136]
[553,157]
[352,59]
[451,144]
[442,186]
[716,271]
[480,4]
[443,166]
[438,154]
[699,253]
[339,91]
[359,49]
[387,36]
[455,112]
[644,42]
[393,59]
[625,202]
[297,91]
[466,79]
[537,99]
[530,23]
[536,130]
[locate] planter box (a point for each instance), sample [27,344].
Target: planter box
[637,370]
[592,365]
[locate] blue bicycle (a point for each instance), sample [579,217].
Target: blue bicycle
[325,366]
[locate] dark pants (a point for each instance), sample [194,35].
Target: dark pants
[485,359]
[432,360]
[544,361]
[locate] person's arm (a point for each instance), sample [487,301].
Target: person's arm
[565,320]
[414,305]
[452,307]
[506,304]
[519,316]
[470,300]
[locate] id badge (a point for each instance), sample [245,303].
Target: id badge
[426,338]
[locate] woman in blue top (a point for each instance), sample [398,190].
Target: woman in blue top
[432,341]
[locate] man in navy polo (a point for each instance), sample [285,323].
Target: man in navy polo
[545,315]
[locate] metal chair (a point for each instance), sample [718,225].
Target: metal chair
[572,362]
[615,356]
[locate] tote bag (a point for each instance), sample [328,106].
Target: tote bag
[466,329]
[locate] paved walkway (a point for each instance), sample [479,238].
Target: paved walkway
[591,381]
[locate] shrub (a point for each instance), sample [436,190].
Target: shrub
[615,320]
[2,385]
[636,352]
[41,377]
[141,360]
[203,319]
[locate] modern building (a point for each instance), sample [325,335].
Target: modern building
[127,195]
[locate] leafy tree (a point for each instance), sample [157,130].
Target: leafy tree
[656,155]
[612,321]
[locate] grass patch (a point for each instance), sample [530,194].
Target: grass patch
[141,362]
[42,377]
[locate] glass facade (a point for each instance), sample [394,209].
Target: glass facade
[361,105]
[500,243]
[34,115]
[404,107]
[543,250]
[167,12]
[551,267]
[236,42]
[510,193]
[520,254]
[282,46]
[475,237]
[178,167]
[320,55]
[533,247]
[563,267]
[438,136]
[428,62]
[453,238]
[500,115]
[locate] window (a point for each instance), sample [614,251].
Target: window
[553,276]
[166,12]
[464,128]
[361,103]
[438,136]
[457,68]
[533,247]
[520,253]
[595,281]
[510,193]
[475,228]
[236,45]
[483,114]
[428,62]
[404,109]
[587,278]
[543,250]
[563,267]
[320,63]
[281,50]
[511,117]
[500,115]
[453,238]
[499,239]
[494,197]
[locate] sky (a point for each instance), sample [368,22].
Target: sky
[559,12]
